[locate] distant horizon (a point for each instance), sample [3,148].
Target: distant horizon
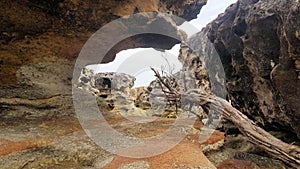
[124,60]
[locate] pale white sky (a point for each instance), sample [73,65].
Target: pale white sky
[130,61]
[210,11]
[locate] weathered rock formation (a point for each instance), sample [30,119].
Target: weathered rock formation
[194,67]
[40,41]
[141,95]
[258,43]
[113,90]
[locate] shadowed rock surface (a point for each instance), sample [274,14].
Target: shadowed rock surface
[258,43]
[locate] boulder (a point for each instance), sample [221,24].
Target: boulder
[258,44]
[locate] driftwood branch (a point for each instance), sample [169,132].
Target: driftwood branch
[289,154]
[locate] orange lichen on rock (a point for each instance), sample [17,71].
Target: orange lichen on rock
[62,127]
[215,137]
[185,154]
[57,128]
[135,6]
[8,147]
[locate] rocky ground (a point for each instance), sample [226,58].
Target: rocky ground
[258,44]
[62,143]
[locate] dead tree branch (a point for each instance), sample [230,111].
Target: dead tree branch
[172,95]
[289,154]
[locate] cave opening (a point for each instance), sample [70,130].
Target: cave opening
[136,61]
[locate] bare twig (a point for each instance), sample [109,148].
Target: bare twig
[172,95]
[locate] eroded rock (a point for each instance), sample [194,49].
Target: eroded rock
[259,50]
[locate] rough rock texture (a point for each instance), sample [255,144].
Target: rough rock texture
[237,164]
[116,91]
[193,157]
[141,95]
[194,66]
[48,143]
[27,19]
[201,73]
[69,15]
[62,144]
[238,152]
[258,43]
[113,91]
[40,41]
[103,84]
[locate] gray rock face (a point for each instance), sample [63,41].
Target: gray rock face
[141,95]
[194,73]
[113,89]
[86,81]
[179,8]
[105,83]
[258,43]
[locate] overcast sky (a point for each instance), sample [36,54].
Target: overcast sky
[130,62]
[210,11]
